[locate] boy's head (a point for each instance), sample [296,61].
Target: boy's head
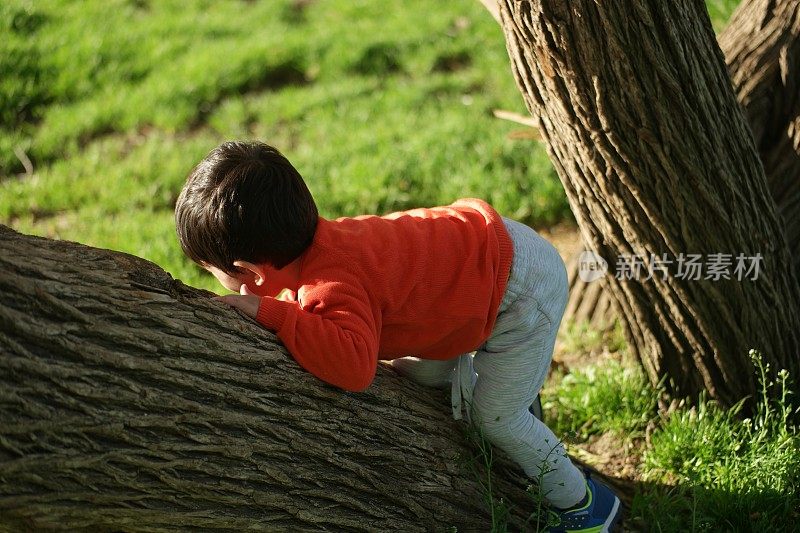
[245,202]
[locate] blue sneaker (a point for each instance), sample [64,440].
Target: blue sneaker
[598,514]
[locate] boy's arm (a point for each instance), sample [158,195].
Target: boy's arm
[332,335]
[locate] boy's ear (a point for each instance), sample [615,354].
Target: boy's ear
[258,271]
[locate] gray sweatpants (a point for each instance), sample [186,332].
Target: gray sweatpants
[511,366]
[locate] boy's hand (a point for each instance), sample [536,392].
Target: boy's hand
[245,301]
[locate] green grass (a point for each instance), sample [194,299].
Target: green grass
[613,396]
[581,337]
[608,397]
[702,468]
[720,11]
[380,105]
[730,474]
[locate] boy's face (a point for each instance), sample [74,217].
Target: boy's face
[232,283]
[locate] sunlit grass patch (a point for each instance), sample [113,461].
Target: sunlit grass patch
[381,106]
[117,100]
[720,11]
[601,397]
[730,473]
[580,337]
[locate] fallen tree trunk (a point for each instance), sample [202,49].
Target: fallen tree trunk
[131,401]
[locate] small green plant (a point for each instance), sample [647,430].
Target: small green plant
[728,473]
[610,396]
[485,457]
[481,465]
[542,515]
[580,337]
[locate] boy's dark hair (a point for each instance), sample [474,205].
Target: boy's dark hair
[245,201]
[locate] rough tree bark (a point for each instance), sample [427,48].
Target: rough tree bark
[129,401]
[761,44]
[638,114]
[588,302]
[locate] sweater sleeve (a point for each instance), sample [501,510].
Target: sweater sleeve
[333,333]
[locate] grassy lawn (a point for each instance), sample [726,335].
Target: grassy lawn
[105,107]
[688,469]
[381,107]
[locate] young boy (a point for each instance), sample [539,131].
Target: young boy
[422,288]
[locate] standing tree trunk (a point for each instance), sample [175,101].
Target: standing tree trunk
[761,44]
[129,401]
[639,117]
[762,49]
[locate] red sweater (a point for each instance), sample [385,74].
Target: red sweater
[423,282]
